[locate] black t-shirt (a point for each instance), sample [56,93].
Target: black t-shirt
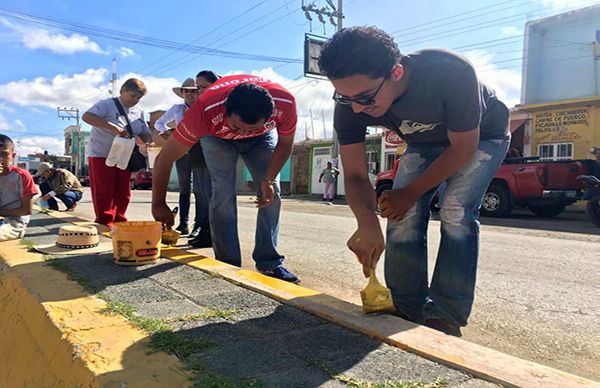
[443,92]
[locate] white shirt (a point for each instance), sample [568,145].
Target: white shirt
[175,112]
[101,139]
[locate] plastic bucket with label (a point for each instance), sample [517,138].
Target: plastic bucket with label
[152,154]
[136,242]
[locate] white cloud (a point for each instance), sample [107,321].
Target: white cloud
[506,82]
[125,52]
[16,126]
[3,123]
[82,90]
[312,96]
[38,144]
[77,90]
[511,31]
[19,126]
[5,107]
[59,43]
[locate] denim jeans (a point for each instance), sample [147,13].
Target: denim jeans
[451,292]
[221,158]
[68,198]
[194,180]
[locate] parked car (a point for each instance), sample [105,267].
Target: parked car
[544,187]
[141,180]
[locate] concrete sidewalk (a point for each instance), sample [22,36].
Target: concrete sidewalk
[224,333]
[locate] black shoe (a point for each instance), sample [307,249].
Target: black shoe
[283,274]
[444,326]
[202,240]
[183,228]
[195,231]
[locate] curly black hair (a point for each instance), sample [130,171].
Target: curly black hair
[251,102]
[359,50]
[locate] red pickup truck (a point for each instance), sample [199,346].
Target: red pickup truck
[545,187]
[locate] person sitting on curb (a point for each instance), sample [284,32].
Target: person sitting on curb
[59,183]
[239,115]
[17,190]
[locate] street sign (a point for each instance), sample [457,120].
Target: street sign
[312,51]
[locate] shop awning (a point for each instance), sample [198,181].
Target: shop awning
[515,124]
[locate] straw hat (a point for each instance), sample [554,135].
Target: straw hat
[189,84]
[76,240]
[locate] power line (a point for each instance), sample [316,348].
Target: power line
[243,13]
[139,39]
[464,29]
[395,33]
[179,62]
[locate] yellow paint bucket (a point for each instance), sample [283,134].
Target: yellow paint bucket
[136,242]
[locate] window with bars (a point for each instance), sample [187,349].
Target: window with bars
[555,151]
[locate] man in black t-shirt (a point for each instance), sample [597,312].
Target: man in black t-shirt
[456,130]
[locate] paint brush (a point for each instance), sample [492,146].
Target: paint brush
[375,297]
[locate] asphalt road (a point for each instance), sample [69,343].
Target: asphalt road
[538,288]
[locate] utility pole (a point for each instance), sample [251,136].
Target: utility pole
[113,89]
[68,114]
[336,18]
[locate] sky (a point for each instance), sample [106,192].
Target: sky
[59,53]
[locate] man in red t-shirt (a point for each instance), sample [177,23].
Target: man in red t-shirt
[239,115]
[16,193]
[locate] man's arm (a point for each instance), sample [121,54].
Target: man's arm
[99,122]
[367,242]
[170,152]
[24,210]
[282,152]
[167,117]
[395,203]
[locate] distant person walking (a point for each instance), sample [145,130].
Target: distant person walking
[329,178]
[110,186]
[59,183]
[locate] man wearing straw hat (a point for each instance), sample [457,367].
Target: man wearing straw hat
[239,115]
[190,180]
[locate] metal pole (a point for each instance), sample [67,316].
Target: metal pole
[335,148]
[67,114]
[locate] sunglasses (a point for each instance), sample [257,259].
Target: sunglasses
[364,100]
[189,91]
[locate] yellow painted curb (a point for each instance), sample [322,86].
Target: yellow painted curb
[477,360]
[52,334]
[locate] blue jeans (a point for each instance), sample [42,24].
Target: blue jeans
[221,158]
[450,294]
[201,189]
[68,198]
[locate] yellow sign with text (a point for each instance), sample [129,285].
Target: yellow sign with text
[561,125]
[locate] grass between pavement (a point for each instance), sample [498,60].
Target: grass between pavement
[163,337]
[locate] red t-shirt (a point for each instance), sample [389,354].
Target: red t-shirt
[16,183]
[207,116]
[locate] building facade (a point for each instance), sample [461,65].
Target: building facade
[75,147]
[561,85]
